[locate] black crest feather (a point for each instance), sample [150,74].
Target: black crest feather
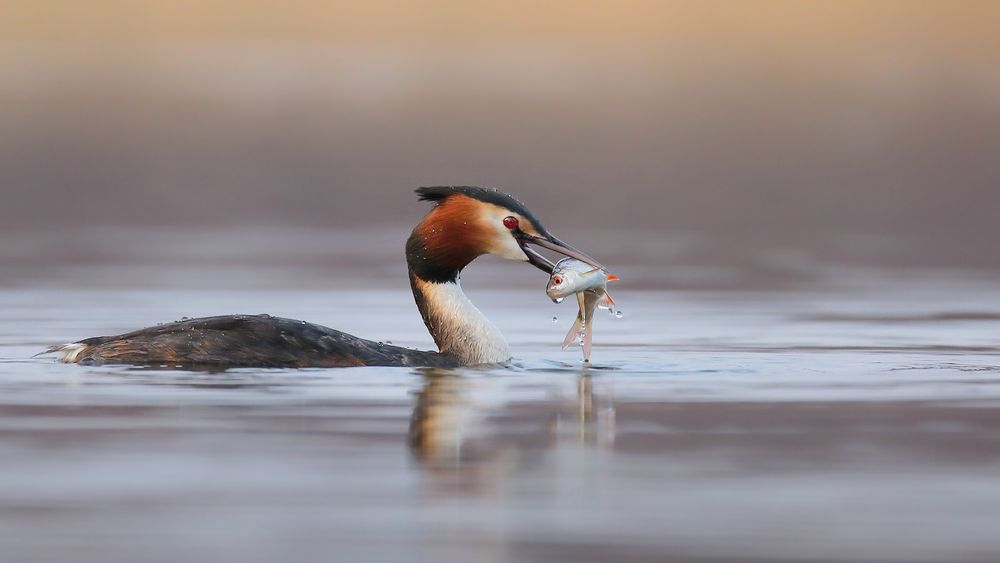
[437,194]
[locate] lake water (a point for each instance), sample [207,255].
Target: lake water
[856,424]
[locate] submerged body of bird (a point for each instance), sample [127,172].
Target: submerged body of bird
[590,285]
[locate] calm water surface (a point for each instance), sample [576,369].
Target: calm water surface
[853,425]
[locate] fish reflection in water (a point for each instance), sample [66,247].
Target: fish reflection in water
[463,425]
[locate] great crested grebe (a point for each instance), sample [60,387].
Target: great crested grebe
[466,222]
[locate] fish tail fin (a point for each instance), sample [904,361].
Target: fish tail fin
[588,340]
[574,332]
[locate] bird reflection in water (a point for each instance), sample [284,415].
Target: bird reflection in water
[469,428]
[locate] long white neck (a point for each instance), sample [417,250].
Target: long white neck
[458,327]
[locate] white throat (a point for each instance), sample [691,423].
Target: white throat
[459,328]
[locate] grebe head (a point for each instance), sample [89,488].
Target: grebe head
[467,222]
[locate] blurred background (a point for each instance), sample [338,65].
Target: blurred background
[801,197]
[715,144]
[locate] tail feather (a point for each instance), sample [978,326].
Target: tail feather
[68,353]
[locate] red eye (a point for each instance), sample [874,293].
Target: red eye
[557,280]
[510,222]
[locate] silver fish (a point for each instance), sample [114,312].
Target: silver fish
[590,285]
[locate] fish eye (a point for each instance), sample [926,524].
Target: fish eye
[510,222]
[557,280]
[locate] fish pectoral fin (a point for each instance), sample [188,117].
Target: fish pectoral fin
[574,331]
[606,302]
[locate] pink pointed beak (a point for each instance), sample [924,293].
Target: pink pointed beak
[551,243]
